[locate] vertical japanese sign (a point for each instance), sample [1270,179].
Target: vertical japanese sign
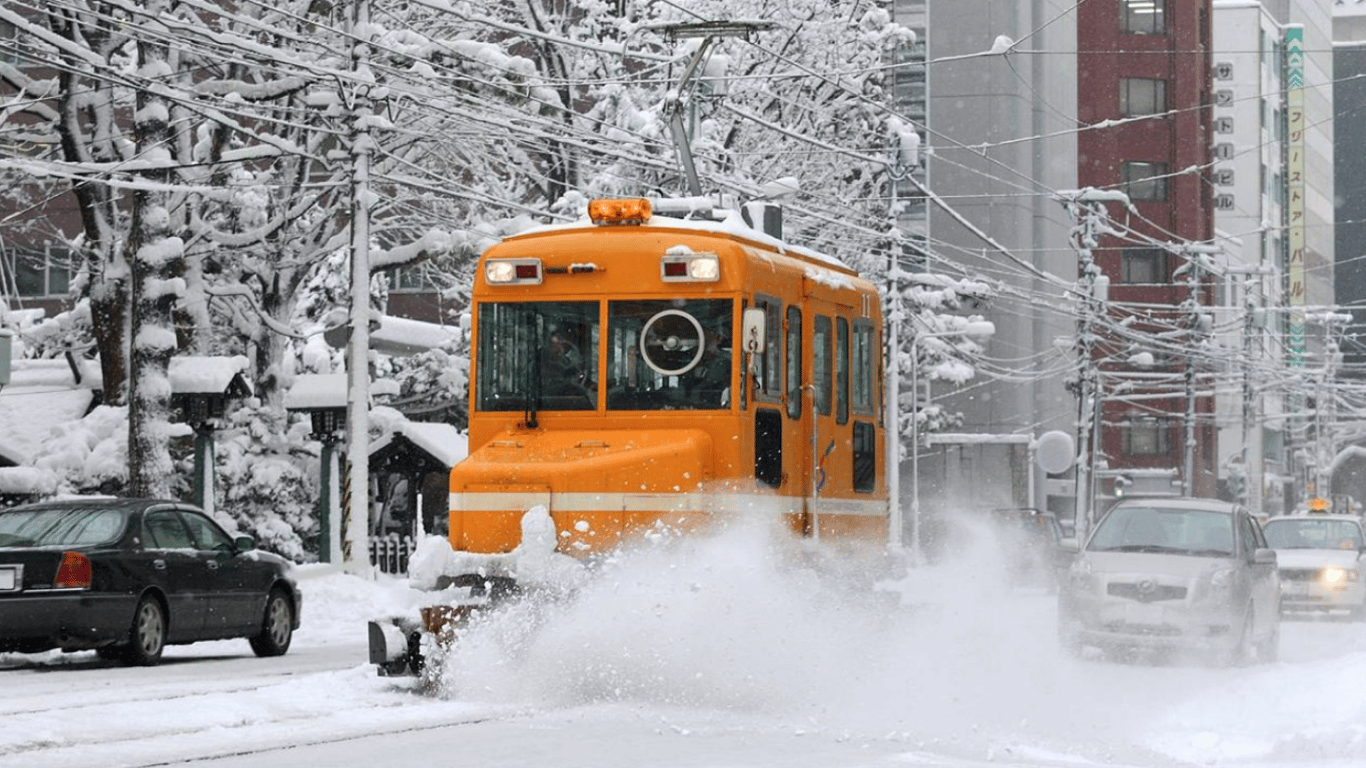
[1294,219]
[1294,175]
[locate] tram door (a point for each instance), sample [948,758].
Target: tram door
[765,371]
[823,448]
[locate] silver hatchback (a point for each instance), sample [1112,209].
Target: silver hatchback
[1180,575]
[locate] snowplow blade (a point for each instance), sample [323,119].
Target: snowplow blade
[396,645]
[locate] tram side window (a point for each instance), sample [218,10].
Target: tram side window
[769,385]
[794,362]
[863,368]
[820,363]
[865,457]
[841,371]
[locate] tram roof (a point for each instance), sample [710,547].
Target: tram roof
[732,226]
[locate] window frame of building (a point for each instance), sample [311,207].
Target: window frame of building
[1145,435]
[30,273]
[1141,96]
[1143,17]
[1144,266]
[1150,187]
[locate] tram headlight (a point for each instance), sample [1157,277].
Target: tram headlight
[690,267]
[512,272]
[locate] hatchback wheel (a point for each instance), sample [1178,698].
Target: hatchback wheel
[147,638]
[1240,654]
[277,626]
[1269,650]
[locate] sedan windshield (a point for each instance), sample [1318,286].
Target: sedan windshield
[1313,534]
[65,526]
[1180,531]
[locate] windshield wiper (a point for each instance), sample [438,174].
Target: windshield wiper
[1142,548]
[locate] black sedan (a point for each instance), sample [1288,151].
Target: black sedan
[127,577]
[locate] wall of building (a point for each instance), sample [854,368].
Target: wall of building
[1178,54]
[1001,144]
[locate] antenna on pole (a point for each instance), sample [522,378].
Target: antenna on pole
[674,101]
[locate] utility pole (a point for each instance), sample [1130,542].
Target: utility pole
[1325,401]
[905,158]
[1092,219]
[1197,339]
[1194,320]
[356,520]
[1251,496]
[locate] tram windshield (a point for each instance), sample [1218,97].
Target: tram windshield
[539,355]
[667,354]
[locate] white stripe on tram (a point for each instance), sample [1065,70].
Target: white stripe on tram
[521,501]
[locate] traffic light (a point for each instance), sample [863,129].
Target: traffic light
[1122,485]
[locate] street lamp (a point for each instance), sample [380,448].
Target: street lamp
[979,329]
[323,397]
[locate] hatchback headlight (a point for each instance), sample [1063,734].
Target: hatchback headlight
[1335,575]
[1079,574]
[1221,582]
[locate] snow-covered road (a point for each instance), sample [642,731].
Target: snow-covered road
[695,661]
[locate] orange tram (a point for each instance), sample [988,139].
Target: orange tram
[642,370]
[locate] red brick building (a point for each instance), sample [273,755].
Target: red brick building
[1144,104]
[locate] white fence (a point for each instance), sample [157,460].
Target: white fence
[390,552]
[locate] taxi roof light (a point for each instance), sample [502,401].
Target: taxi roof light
[611,211]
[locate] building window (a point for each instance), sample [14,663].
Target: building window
[1142,96]
[1143,266]
[411,279]
[35,274]
[1145,436]
[1143,17]
[1144,180]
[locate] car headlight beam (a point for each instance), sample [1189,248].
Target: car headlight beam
[1336,575]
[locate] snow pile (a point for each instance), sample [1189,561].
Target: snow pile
[748,621]
[534,563]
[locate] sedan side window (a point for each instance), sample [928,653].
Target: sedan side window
[165,531]
[207,535]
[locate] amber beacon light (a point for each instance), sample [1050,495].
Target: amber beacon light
[611,212]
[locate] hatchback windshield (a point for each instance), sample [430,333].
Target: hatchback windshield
[1180,531]
[1313,534]
[65,527]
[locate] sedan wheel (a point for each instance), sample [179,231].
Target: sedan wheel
[277,628]
[147,638]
